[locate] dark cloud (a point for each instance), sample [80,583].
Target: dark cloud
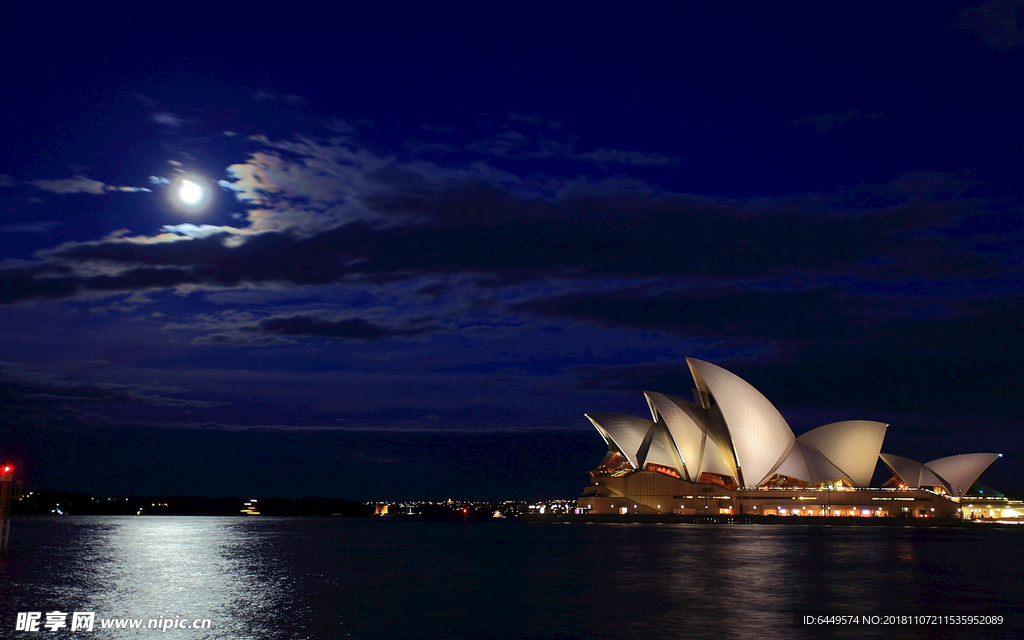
[534,119]
[518,146]
[356,329]
[45,226]
[241,340]
[629,158]
[518,117]
[419,148]
[717,312]
[963,362]
[26,394]
[911,185]
[481,228]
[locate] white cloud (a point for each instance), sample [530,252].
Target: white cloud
[196,231]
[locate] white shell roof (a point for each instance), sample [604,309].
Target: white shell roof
[717,459]
[623,431]
[795,466]
[661,450]
[760,435]
[852,446]
[820,467]
[686,425]
[961,471]
[913,473]
[742,426]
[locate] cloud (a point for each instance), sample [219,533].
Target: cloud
[25,392]
[629,158]
[355,329]
[318,188]
[930,184]
[128,189]
[725,311]
[262,95]
[278,330]
[419,148]
[310,186]
[534,119]
[244,328]
[509,144]
[167,119]
[911,185]
[902,352]
[518,117]
[78,184]
[331,214]
[241,340]
[999,24]
[160,115]
[826,121]
[81,184]
[197,231]
[514,145]
[45,226]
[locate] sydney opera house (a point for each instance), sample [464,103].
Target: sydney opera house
[730,452]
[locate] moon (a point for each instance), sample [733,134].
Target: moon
[191,194]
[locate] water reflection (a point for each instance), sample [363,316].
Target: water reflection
[277,578]
[748,581]
[173,568]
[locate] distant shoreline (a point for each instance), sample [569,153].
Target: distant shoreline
[767,520]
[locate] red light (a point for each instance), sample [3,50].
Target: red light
[465,511]
[8,468]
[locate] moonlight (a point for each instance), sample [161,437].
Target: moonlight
[191,194]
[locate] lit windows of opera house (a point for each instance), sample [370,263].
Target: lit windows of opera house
[730,452]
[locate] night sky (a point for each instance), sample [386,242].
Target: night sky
[434,235]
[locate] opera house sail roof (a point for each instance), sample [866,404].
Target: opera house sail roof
[955,474]
[732,435]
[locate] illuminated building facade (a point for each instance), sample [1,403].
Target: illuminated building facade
[730,452]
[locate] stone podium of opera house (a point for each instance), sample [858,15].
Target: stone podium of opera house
[730,452]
